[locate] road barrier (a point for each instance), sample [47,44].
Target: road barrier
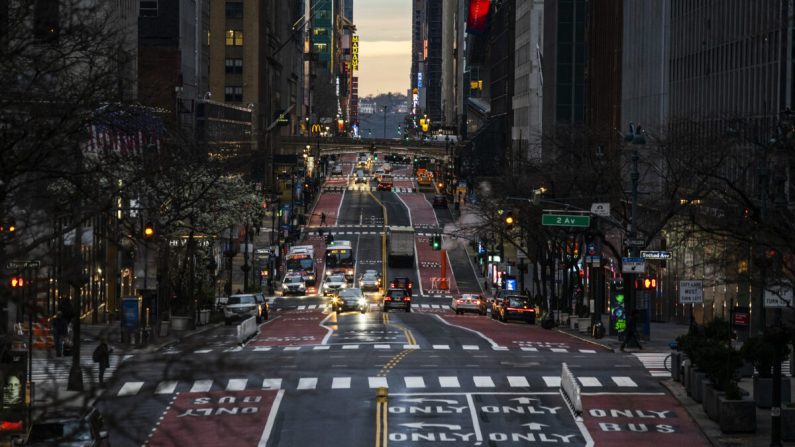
[570,389]
[246,329]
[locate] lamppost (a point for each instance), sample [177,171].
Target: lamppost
[635,138]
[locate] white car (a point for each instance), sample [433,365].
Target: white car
[467,302]
[241,307]
[334,283]
[293,283]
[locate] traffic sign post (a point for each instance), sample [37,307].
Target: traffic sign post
[22,264]
[566,220]
[655,254]
[633,265]
[691,292]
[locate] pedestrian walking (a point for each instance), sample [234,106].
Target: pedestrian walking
[102,357]
[322,218]
[60,328]
[631,333]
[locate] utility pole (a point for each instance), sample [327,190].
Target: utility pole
[385,107]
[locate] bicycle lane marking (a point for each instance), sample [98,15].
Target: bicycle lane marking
[620,419]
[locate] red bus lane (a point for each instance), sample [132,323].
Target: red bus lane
[293,328]
[420,209]
[328,203]
[403,183]
[430,270]
[639,419]
[521,335]
[239,418]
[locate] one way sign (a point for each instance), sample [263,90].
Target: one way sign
[633,265]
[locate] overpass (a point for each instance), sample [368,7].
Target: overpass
[294,145]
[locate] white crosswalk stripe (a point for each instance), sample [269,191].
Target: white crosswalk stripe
[654,362]
[385,345]
[430,383]
[56,370]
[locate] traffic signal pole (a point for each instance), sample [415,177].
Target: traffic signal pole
[443,275]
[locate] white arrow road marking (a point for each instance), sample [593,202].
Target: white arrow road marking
[534,425]
[524,400]
[426,425]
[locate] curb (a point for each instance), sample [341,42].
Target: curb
[669,385]
[154,347]
[602,345]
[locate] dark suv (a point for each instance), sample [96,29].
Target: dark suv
[514,307]
[402,283]
[397,299]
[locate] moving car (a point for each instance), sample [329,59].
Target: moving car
[385,182]
[439,201]
[69,427]
[360,178]
[349,299]
[397,298]
[514,307]
[402,282]
[334,283]
[293,282]
[370,281]
[243,306]
[337,169]
[467,302]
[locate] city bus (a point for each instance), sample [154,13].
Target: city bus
[301,258]
[340,259]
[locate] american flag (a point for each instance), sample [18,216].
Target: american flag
[124,133]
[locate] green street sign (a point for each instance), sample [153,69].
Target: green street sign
[565,220]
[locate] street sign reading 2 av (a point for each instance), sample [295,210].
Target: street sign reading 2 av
[565,220]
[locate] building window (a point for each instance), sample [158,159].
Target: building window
[320,47]
[234,10]
[234,38]
[147,8]
[234,66]
[233,94]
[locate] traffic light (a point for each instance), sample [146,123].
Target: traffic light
[647,283]
[17,281]
[436,242]
[375,156]
[149,230]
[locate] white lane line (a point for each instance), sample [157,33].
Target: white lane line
[292,348]
[552,381]
[261,348]
[470,347]
[449,382]
[166,387]
[236,384]
[414,382]
[588,351]
[302,307]
[350,347]
[411,346]
[307,383]
[559,350]
[525,348]
[377,382]
[480,334]
[382,346]
[202,351]
[271,384]
[321,348]
[589,381]
[624,381]
[201,386]
[130,388]
[483,381]
[441,347]
[499,348]
[518,381]
[341,383]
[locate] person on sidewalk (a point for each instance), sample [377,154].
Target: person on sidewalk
[102,356]
[631,334]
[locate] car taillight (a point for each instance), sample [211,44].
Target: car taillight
[387,298]
[406,298]
[392,285]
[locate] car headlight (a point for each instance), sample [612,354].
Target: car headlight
[362,302]
[310,277]
[284,286]
[350,272]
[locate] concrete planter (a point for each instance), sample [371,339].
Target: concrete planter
[572,322]
[687,366]
[564,318]
[788,423]
[737,416]
[676,366]
[179,323]
[711,401]
[583,324]
[698,386]
[763,391]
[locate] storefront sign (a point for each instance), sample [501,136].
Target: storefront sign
[354,52]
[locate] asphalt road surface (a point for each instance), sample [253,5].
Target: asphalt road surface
[311,377]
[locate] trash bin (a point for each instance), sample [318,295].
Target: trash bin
[204,317]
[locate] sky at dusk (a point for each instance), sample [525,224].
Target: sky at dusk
[384,29]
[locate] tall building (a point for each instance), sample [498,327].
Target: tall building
[417,48]
[528,81]
[432,65]
[564,63]
[322,14]
[348,10]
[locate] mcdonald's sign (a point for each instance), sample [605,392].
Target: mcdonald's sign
[315,128]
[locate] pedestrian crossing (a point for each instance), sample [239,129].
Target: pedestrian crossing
[373,306]
[384,346]
[340,188]
[56,370]
[655,363]
[428,383]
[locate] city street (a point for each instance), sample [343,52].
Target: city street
[312,377]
